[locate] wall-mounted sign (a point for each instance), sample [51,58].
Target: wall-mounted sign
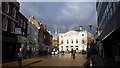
[18,31]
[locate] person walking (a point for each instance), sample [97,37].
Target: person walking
[74,51]
[20,57]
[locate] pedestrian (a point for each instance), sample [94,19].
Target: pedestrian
[20,57]
[74,51]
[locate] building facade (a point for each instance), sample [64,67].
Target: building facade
[108,29]
[76,40]
[47,40]
[33,32]
[55,41]
[11,29]
[41,39]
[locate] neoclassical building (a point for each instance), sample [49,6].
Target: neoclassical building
[74,39]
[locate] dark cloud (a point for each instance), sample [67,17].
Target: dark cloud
[62,16]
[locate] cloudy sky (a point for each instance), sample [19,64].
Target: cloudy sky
[62,16]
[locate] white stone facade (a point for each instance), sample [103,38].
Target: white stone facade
[76,40]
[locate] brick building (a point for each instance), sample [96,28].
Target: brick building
[14,24]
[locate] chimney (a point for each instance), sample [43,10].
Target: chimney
[80,28]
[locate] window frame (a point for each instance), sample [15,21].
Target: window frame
[13,27]
[7,7]
[5,20]
[14,12]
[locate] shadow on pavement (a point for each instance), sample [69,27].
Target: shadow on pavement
[33,62]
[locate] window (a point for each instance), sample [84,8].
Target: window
[72,41]
[18,21]
[23,33]
[110,12]
[76,41]
[14,12]
[110,4]
[114,7]
[62,47]
[61,36]
[76,48]
[83,41]
[67,41]
[24,25]
[61,41]
[4,24]
[12,26]
[107,9]
[7,6]
[21,23]
[82,34]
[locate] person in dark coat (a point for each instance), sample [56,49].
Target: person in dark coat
[73,53]
[20,57]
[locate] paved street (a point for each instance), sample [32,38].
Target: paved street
[51,60]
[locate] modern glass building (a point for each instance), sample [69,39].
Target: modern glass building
[108,20]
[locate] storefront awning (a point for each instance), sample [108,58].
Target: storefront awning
[21,39]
